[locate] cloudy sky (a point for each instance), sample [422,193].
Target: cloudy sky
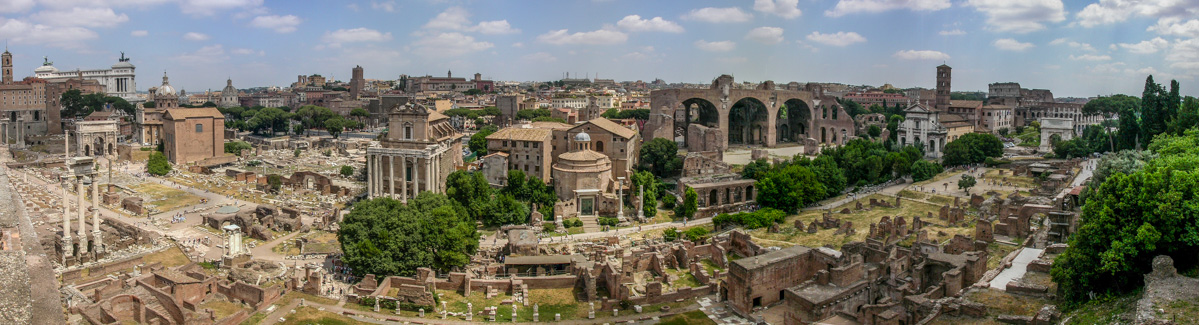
[1075,48]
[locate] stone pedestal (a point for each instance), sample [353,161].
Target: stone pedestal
[421,311]
[470,312]
[615,311]
[557,317]
[591,312]
[535,313]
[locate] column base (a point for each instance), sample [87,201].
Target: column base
[99,249]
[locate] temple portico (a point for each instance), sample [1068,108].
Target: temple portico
[417,173]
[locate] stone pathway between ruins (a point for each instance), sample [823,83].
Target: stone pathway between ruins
[1019,267]
[384,318]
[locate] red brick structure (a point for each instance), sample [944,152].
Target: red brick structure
[193,134]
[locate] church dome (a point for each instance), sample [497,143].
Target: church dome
[582,137]
[165,89]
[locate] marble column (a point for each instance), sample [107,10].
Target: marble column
[429,173]
[67,247]
[374,174]
[82,217]
[96,237]
[404,179]
[391,176]
[416,174]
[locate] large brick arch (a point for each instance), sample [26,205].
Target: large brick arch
[664,103]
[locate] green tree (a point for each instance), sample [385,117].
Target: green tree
[235,147]
[361,114]
[689,206]
[966,182]
[789,188]
[1188,115]
[925,170]
[647,180]
[471,191]
[158,164]
[1133,217]
[473,92]
[874,131]
[385,237]
[269,121]
[336,125]
[347,171]
[478,141]
[506,210]
[972,148]
[275,181]
[148,104]
[661,157]
[516,184]
[756,169]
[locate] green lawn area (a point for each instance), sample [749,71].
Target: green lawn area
[222,308]
[688,318]
[164,198]
[308,315]
[1180,311]
[1114,310]
[549,302]
[319,241]
[1019,181]
[861,223]
[1003,303]
[997,252]
[710,266]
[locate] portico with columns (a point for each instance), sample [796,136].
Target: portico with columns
[421,149]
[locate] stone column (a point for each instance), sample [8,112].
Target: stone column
[404,179]
[67,247]
[82,217]
[415,177]
[391,176]
[429,173]
[96,237]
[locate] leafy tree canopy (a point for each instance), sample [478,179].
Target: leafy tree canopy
[385,237]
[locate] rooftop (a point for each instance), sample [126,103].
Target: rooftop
[755,262]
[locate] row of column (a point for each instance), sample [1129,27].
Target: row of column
[97,238]
[20,134]
[381,185]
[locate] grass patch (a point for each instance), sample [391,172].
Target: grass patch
[164,198]
[319,241]
[710,266]
[1105,310]
[1180,312]
[688,318]
[1018,181]
[861,223]
[1003,303]
[308,315]
[254,319]
[222,308]
[170,257]
[997,252]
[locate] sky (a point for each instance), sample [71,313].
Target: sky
[1075,48]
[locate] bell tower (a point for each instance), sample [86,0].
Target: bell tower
[6,65]
[944,72]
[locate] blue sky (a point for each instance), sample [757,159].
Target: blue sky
[1075,48]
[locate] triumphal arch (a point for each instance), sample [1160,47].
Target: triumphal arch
[767,115]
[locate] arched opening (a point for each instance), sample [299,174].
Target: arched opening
[749,193]
[712,198]
[110,151]
[695,110]
[99,146]
[747,121]
[793,119]
[728,193]
[599,146]
[823,135]
[87,148]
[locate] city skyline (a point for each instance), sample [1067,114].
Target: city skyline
[1075,48]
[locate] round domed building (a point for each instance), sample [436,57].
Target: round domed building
[584,177]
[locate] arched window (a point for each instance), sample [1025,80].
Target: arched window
[599,146]
[712,199]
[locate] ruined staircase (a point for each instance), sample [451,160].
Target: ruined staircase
[590,224]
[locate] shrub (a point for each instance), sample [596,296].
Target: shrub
[924,170]
[347,171]
[548,227]
[670,234]
[751,220]
[606,221]
[668,201]
[366,301]
[695,234]
[992,162]
[158,164]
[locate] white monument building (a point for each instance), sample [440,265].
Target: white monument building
[118,80]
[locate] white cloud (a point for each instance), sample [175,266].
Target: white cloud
[719,46]
[540,57]
[920,55]
[1008,44]
[845,7]
[449,44]
[634,23]
[518,45]
[1146,47]
[205,55]
[718,15]
[1073,44]
[193,36]
[84,17]
[1059,41]
[458,19]
[1107,68]
[1090,57]
[15,6]
[788,9]
[839,39]
[952,32]
[1114,11]
[242,51]
[23,32]
[1184,55]
[598,37]
[139,33]
[280,24]
[361,34]
[636,56]
[210,7]
[1022,16]
[387,6]
[1175,26]
[765,35]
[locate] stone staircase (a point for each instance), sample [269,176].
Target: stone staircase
[590,224]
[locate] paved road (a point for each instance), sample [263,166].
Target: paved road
[1019,267]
